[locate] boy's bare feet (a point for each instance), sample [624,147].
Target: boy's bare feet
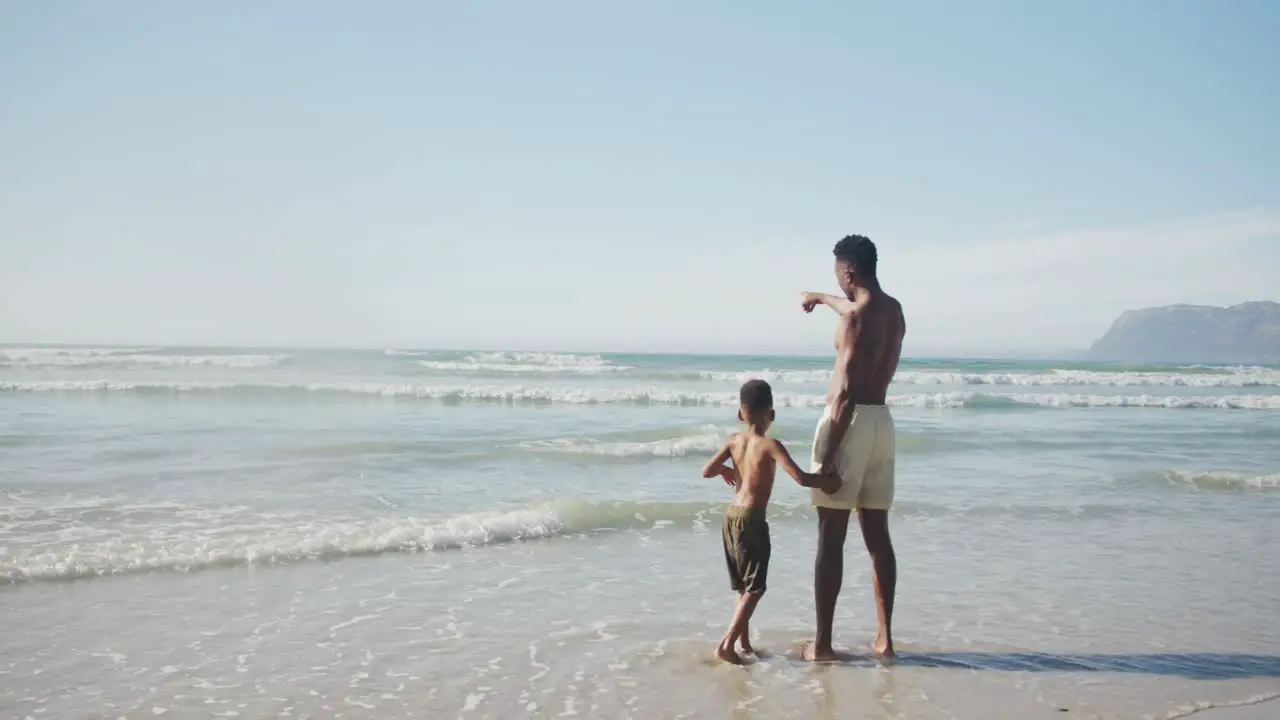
[726,653]
[813,653]
[883,646]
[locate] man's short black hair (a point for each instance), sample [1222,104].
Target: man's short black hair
[859,252]
[756,396]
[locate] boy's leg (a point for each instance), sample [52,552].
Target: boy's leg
[725,650]
[729,533]
[744,638]
[756,549]
[741,618]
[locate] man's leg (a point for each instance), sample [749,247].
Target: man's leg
[828,575]
[884,565]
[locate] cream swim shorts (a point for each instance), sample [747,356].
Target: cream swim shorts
[864,462]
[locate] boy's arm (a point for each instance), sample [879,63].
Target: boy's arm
[842,305]
[716,466]
[826,483]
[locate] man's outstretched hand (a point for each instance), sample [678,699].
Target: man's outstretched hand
[811,301]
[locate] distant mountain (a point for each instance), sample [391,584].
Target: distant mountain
[1244,333]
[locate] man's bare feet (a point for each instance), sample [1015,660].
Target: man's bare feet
[883,646]
[726,653]
[745,646]
[813,653]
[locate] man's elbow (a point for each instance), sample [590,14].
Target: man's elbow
[840,400]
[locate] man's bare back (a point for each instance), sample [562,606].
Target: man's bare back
[870,336]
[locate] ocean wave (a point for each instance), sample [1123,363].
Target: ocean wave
[476,366]
[706,440]
[1221,480]
[114,537]
[391,352]
[768,375]
[250,541]
[535,395]
[1238,378]
[526,362]
[1241,377]
[441,393]
[1207,402]
[127,358]
[92,538]
[76,351]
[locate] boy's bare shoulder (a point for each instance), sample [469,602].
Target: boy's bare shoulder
[774,444]
[736,442]
[768,449]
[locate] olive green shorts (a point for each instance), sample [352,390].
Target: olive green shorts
[746,548]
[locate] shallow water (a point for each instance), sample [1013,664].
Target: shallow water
[212,532]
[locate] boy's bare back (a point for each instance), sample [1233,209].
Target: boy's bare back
[756,458]
[753,456]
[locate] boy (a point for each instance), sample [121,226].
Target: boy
[746,533]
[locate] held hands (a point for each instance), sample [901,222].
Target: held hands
[829,483]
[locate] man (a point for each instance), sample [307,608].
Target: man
[855,439]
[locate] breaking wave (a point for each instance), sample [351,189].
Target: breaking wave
[265,540]
[185,538]
[526,362]
[641,396]
[1221,480]
[706,440]
[1242,377]
[124,358]
[173,537]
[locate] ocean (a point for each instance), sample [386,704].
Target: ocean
[214,532]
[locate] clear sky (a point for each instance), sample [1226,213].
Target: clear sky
[654,176]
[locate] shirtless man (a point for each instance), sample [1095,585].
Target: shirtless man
[855,439]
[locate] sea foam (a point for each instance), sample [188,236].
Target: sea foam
[186,538]
[526,362]
[703,441]
[533,394]
[261,540]
[121,358]
[1222,480]
[1243,377]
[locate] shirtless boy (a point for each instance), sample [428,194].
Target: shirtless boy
[746,532]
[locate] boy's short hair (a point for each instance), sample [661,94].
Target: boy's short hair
[756,396]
